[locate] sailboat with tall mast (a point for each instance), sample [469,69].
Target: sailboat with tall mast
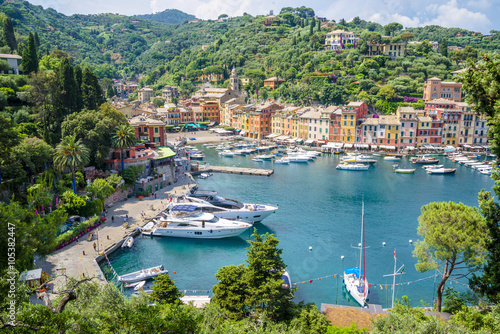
[355,278]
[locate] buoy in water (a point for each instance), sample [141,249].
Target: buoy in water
[310,248]
[383,243]
[359,245]
[411,241]
[342,257]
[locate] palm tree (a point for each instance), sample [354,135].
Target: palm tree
[71,154]
[124,137]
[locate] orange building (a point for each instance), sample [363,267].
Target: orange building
[210,111]
[273,82]
[435,88]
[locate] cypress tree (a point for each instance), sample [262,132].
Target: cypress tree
[443,47]
[37,40]
[67,85]
[30,56]
[319,25]
[92,94]
[8,34]
[77,70]
[109,91]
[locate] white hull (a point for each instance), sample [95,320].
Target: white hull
[352,283]
[199,232]
[249,216]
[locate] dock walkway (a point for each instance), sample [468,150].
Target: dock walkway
[235,170]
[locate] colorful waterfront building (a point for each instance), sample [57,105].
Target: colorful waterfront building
[348,125]
[280,123]
[467,122]
[481,131]
[211,111]
[408,119]
[382,131]
[436,108]
[429,131]
[334,133]
[318,125]
[451,126]
[148,129]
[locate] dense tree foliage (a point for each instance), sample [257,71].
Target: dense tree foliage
[454,237]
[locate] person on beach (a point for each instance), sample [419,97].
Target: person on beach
[112,219]
[95,246]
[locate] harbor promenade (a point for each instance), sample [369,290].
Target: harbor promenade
[77,260]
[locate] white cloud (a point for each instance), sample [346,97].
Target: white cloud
[479,4]
[405,20]
[450,15]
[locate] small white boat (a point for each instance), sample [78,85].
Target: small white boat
[298,158]
[354,167]
[391,158]
[204,175]
[257,160]
[197,156]
[143,274]
[441,171]
[283,161]
[265,156]
[131,285]
[427,167]
[140,285]
[226,153]
[128,242]
[287,280]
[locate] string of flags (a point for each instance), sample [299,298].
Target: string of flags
[382,286]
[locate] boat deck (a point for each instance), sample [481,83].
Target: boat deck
[236,170]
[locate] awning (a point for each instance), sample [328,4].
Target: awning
[373,146]
[347,145]
[242,133]
[411,148]
[164,152]
[282,138]
[321,141]
[309,141]
[272,135]
[467,146]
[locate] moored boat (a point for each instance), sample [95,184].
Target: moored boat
[128,242]
[354,167]
[404,170]
[355,278]
[142,274]
[139,285]
[442,171]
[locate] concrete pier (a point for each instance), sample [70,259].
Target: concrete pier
[235,170]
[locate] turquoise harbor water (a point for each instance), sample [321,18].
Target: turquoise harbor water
[320,207]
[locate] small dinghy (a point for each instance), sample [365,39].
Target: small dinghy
[131,285]
[128,242]
[139,286]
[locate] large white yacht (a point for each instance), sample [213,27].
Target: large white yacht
[230,209]
[189,223]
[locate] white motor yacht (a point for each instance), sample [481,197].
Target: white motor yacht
[193,224]
[354,167]
[226,153]
[230,209]
[298,158]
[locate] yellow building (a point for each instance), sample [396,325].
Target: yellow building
[337,39]
[348,126]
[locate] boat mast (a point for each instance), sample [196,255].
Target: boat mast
[362,252]
[364,273]
[396,272]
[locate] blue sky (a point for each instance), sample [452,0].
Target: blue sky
[477,15]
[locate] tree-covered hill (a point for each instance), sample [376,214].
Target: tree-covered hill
[168,16]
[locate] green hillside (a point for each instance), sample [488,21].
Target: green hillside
[168,16]
[292,48]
